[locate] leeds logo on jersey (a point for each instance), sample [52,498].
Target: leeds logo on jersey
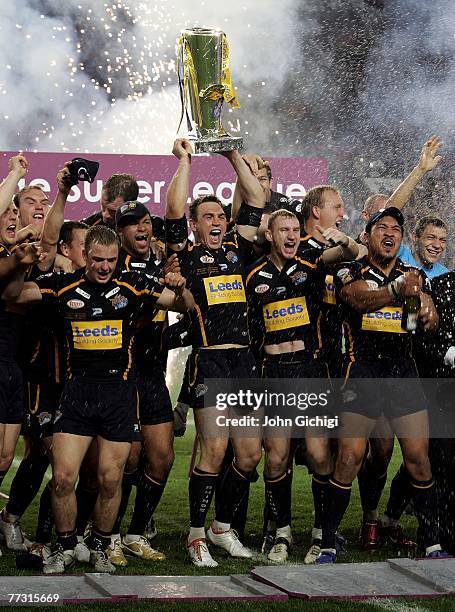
[75,304]
[224,289]
[345,275]
[262,288]
[97,335]
[286,314]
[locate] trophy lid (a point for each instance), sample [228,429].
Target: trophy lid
[202,31]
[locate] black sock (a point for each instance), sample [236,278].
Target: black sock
[26,483]
[148,495]
[45,516]
[99,540]
[371,485]
[278,496]
[240,515]
[426,509]
[68,539]
[400,494]
[337,501]
[319,484]
[201,489]
[86,500]
[231,492]
[128,481]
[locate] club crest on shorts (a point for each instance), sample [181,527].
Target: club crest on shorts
[201,390]
[44,418]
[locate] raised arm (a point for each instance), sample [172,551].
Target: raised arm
[175,295]
[55,218]
[17,166]
[345,248]
[177,193]
[248,183]
[429,159]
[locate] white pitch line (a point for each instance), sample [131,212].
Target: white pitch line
[395,606]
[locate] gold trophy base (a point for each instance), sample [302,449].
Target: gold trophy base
[217,145]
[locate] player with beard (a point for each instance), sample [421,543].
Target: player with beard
[214,268]
[135,229]
[287,283]
[372,291]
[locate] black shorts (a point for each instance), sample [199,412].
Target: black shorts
[385,395]
[41,403]
[233,363]
[185,395]
[154,401]
[98,408]
[293,365]
[11,394]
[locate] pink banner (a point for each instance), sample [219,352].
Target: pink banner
[291,176]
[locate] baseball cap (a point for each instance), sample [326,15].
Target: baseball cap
[130,211]
[391,211]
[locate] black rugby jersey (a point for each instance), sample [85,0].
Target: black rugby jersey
[331,323]
[9,323]
[147,343]
[100,319]
[216,278]
[378,333]
[285,303]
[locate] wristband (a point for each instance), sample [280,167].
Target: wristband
[394,287]
[176,230]
[249,215]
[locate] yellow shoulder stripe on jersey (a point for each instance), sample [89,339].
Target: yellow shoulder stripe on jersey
[68,287]
[255,270]
[131,288]
[307,263]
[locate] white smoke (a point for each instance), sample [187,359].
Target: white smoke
[100,77]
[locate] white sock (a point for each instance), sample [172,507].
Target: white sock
[316,533]
[284,532]
[196,533]
[433,548]
[220,527]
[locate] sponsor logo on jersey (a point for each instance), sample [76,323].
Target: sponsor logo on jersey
[139,264]
[376,274]
[223,267]
[286,314]
[224,289]
[96,312]
[328,292]
[372,284]
[112,292]
[83,293]
[207,259]
[97,335]
[265,274]
[262,288]
[280,290]
[386,319]
[291,269]
[75,304]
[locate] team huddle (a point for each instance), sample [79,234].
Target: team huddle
[265,288]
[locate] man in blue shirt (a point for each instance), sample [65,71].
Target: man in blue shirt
[429,244]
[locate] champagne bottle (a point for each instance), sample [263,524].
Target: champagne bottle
[411,307]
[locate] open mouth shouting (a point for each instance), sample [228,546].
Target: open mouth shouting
[38,216]
[388,244]
[11,231]
[289,248]
[215,237]
[141,240]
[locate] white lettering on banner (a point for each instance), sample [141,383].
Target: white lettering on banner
[96,197]
[296,191]
[145,189]
[202,189]
[75,194]
[229,187]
